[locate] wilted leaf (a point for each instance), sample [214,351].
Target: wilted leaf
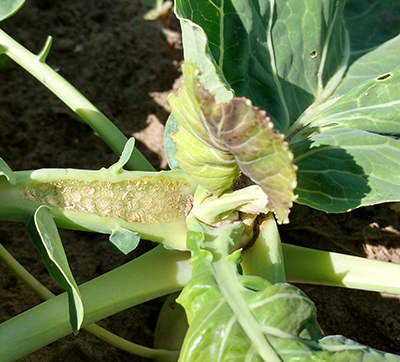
[215,138]
[197,156]
[214,170]
[261,152]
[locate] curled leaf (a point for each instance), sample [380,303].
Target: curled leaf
[260,152]
[215,140]
[197,153]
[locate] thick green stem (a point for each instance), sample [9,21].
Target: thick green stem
[35,65]
[136,282]
[152,275]
[303,265]
[265,257]
[45,294]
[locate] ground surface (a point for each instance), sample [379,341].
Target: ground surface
[127,70]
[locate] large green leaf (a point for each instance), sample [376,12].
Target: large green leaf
[373,106]
[270,51]
[351,160]
[342,169]
[43,231]
[370,23]
[367,98]
[9,8]
[371,66]
[246,318]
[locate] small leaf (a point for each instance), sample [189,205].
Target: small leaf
[124,240]
[6,171]
[125,156]
[9,7]
[214,210]
[43,231]
[158,10]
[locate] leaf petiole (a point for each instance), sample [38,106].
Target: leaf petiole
[45,294]
[106,295]
[35,65]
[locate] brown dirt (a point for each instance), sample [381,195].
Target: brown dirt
[127,70]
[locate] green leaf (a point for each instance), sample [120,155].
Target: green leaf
[367,93]
[370,67]
[43,231]
[370,23]
[367,97]
[6,171]
[9,7]
[263,56]
[124,240]
[372,106]
[351,159]
[245,318]
[342,169]
[198,51]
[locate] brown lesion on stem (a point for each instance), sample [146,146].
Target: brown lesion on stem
[146,200]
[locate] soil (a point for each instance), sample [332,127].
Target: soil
[127,69]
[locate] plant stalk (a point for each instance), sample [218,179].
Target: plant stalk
[65,91]
[304,265]
[154,274]
[45,294]
[265,258]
